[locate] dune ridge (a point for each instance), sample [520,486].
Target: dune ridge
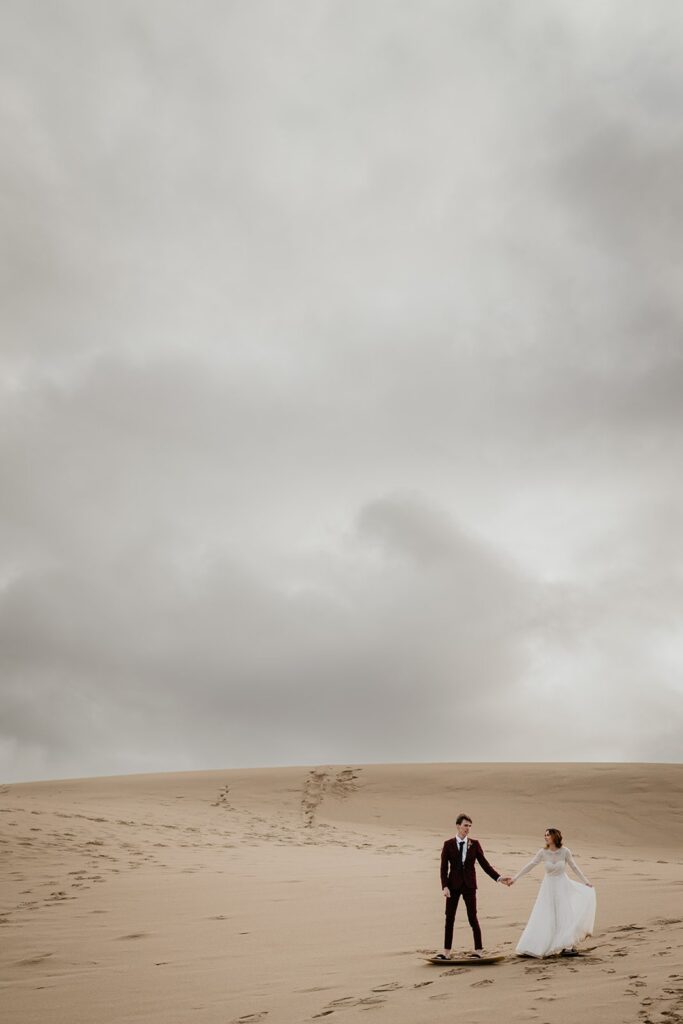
[291,894]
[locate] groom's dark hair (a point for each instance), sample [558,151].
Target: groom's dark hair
[463,817]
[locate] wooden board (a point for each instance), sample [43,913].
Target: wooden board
[465,961]
[554,956]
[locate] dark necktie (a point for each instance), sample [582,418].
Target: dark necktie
[460,846]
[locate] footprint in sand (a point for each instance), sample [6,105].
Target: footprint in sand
[314,790]
[58,897]
[251,1018]
[320,781]
[223,798]
[344,782]
[30,961]
[346,1001]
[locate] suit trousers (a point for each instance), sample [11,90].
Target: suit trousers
[470,899]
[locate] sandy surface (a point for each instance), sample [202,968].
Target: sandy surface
[298,894]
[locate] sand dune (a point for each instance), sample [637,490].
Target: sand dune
[298,894]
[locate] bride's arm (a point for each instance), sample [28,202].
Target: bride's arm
[527,867]
[575,868]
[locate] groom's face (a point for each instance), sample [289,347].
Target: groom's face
[463,828]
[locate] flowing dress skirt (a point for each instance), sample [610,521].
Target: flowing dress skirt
[563,914]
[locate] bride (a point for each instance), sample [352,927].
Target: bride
[564,911]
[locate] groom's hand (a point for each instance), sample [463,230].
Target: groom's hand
[446,891]
[506,880]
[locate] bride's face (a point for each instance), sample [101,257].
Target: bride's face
[549,840]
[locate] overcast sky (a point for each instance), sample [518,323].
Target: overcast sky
[342,383]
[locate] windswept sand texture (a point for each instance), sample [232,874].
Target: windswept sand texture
[299,894]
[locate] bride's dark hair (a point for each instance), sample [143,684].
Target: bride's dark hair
[556,836]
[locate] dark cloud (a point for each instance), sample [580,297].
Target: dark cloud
[341,383]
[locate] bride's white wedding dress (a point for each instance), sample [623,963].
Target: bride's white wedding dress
[564,911]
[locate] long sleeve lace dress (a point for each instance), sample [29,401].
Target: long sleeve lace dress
[564,911]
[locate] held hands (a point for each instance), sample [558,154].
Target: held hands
[506,880]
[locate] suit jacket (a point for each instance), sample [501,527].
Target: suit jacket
[459,877]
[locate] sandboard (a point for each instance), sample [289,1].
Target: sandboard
[465,961]
[555,956]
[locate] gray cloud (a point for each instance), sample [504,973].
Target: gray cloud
[341,384]
[411,623]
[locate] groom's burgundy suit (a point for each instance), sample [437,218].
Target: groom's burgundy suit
[461,880]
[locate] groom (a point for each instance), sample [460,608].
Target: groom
[458,878]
